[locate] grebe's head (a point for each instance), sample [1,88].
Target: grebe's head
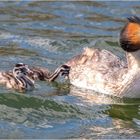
[130,35]
[21,69]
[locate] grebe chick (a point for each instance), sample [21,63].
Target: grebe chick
[43,74]
[18,78]
[103,72]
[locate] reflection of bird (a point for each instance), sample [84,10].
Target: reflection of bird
[88,97]
[102,71]
[18,79]
[43,74]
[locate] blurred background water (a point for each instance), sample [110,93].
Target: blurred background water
[48,34]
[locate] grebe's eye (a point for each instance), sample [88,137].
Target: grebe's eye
[18,72]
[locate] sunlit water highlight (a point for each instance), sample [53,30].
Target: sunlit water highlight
[48,34]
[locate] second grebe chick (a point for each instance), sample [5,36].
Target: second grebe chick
[103,72]
[43,74]
[18,78]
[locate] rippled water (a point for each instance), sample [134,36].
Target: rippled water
[48,34]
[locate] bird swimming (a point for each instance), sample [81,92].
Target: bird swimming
[43,74]
[22,78]
[104,72]
[18,78]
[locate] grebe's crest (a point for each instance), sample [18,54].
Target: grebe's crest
[130,35]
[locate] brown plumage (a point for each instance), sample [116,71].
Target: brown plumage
[130,35]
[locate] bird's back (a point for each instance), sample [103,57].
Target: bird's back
[100,70]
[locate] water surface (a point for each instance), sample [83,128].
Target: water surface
[48,34]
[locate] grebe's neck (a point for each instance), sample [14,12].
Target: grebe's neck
[133,60]
[25,82]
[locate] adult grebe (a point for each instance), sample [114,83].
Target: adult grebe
[103,72]
[18,78]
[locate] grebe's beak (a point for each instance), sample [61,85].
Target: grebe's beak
[65,71]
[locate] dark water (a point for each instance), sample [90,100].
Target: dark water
[48,34]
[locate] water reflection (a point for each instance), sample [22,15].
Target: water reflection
[124,113]
[91,115]
[47,34]
[20,104]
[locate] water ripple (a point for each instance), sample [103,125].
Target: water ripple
[48,33]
